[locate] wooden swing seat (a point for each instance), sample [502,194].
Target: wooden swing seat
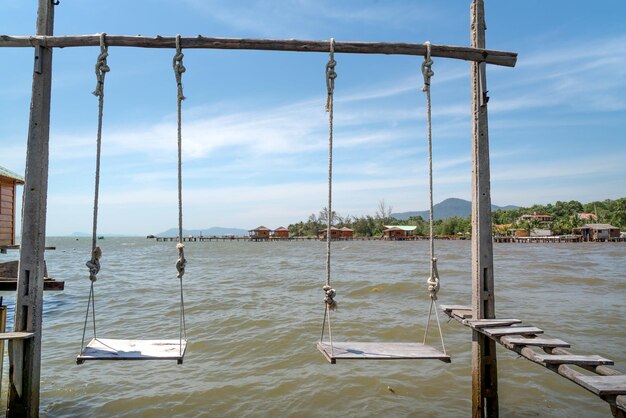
[114,349]
[380,351]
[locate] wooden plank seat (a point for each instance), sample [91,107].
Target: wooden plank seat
[535,342]
[18,335]
[604,385]
[380,351]
[519,330]
[578,360]
[115,349]
[486,323]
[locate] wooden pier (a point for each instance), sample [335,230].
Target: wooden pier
[607,383]
[253,239]
[288,239]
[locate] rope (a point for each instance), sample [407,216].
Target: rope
[179,69]
[433,280]
[329,293]
[181,262]
[96,253]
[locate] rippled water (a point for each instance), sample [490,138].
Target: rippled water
[254,312]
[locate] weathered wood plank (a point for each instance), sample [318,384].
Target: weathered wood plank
[535,342]
[117,349]
[504,58]
[519,330]
[592,360]
[15,335]
[485,323]
[380,351]
[450,308]
[604,385]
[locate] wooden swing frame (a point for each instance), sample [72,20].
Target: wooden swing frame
[26,359]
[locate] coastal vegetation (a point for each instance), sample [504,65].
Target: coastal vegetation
[565,217]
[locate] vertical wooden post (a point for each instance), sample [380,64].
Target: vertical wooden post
[3,326]
[484,361]
[25,354]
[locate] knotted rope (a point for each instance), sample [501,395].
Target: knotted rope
[329,293]
[433,280]
[101,67]
[181,262]
[96,253]
[427,72]
[179,69]
[94,264]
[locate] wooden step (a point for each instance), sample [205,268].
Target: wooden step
[535,342]
[604,385]
[592,360]
[519,330]
[485,323]
[459,311]
[450,308]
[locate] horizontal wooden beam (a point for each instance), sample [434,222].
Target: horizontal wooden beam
[507,59]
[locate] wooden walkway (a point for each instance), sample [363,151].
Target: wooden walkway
[607,383]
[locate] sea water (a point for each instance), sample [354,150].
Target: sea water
[254,313]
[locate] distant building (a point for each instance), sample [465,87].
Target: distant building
[260,233]
[346,233]
[335,233]
[597,232]
[280,232]
[8,182]
[540,232]
[398,231]
[587,217]
[535,216]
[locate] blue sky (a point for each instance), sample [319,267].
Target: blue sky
[254,126]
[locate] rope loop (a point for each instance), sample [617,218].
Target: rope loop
[329,297]
[331,75]
[433,280]
[427,70]
[181,262]
[179,68]
[101,66]
[94,264]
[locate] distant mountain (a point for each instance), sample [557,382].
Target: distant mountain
[448,208]
[208,232]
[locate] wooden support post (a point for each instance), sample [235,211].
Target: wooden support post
[25,354]
[484,360]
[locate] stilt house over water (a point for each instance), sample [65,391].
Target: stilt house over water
[8,182]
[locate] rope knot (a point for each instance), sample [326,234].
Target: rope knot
[433,280]
[329,295]
[101,67]
[179,68]
[94,264]
[181,262]
[427,70]
[331,75]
